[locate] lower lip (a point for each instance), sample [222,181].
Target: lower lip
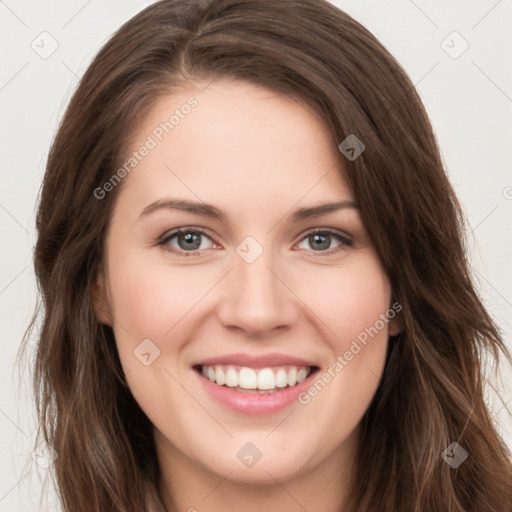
[252,403]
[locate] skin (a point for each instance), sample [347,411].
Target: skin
[258,156]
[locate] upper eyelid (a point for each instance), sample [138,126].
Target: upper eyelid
[325,230]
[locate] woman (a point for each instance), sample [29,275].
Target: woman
[255,289]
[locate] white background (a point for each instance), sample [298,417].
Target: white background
[469,100]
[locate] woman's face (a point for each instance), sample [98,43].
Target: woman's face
[271,278]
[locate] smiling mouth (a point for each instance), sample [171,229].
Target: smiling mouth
[256,380]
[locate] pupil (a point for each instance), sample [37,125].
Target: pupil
[189,241]
[318,241]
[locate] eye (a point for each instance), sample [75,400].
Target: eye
[186,240]
[324,241]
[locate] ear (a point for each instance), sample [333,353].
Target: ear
[100,299]
[396,323]
[395,326]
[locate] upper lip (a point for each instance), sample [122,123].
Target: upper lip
[254,361]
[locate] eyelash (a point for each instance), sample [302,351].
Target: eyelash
[344,240]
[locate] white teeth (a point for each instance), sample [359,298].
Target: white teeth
[281,378]
[220,378]
[247,378]
[231,378]
[302,374]
[264,379]
[292,377]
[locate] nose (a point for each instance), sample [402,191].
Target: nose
[255,300]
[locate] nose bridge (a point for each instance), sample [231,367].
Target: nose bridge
[254,299]
[256,282]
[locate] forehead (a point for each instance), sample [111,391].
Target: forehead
[234,140]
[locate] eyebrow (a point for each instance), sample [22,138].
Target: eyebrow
[207,210]
[323,209]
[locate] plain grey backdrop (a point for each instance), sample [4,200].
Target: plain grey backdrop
[458,54]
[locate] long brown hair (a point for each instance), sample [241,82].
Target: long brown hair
[431,393]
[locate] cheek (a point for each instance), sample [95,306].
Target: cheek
[150,298]
[351,304]
[352,308]
[347,300]
[150,301]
